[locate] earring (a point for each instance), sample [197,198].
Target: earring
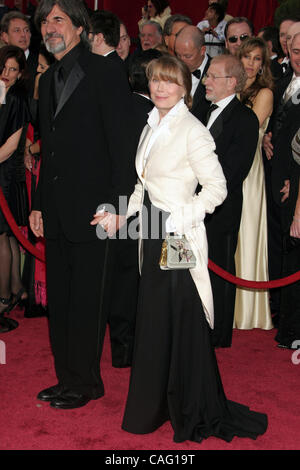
[260,72]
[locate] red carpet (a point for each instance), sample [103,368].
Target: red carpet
[254,372]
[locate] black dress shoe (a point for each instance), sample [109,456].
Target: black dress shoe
[51,393]
[69,400]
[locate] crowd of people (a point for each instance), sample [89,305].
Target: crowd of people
[192,132]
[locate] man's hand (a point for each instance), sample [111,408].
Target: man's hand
[267,145]
[36,223]
[285,190]
[28,160]
[295,228]
[111,223]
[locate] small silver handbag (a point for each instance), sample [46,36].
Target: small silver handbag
[176,253]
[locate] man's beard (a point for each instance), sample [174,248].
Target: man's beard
[55,48]
[209,98]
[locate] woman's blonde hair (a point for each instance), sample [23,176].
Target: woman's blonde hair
[170,68]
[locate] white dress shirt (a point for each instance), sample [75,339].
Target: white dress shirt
[292,88]
[221,105]
[161,127]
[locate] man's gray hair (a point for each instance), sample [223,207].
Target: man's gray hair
[74,9]
[233,68]
[157,25]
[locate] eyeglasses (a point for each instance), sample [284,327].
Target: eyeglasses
[214,77]
[234,39]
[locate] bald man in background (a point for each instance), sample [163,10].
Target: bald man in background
[190,48]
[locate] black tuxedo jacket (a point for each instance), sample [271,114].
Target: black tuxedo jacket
[235,132]
[284,124]
[200,103]
[142,107]
[32,64]
[88,146]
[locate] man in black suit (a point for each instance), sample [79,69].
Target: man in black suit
[15,29]
[284,26]
[105,34]
[234,128]
[123,266]
[190,48]
[85,124]
[277,147]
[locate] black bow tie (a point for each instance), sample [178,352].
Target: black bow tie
[197,74]
[210,110]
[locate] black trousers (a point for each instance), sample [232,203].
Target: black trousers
[77,319]
[122,282]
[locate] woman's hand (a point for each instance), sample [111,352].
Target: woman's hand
[111,223]
[27,157]
[36,223]
[267,145]
[28,161]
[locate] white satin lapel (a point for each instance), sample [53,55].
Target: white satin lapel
[144,141]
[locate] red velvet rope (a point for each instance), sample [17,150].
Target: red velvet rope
[212,266]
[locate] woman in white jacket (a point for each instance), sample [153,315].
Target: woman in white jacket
[174,373]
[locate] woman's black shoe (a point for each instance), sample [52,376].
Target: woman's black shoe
[6,324]
[16,300]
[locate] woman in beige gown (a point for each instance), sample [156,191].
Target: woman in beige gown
[252,308]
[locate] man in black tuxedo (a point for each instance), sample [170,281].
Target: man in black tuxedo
[277,147]
[105,34]
[284,26]
[234,128]
[123,272]
[190,48]
[85,125]
[15,29]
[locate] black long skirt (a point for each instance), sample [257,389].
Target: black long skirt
[175,374]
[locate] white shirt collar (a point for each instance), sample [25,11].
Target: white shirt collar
[225,101]
[27,53]
[154,118]
[295,78]
[221,105]
[109,52]
[142,94]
